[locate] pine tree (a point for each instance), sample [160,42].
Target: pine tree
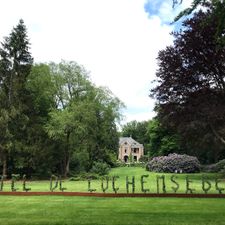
[15,66]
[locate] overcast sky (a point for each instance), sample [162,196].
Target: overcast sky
[116,40]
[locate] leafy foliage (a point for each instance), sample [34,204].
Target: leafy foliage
[54,112]
[100,168]
[162,140]
[144,159]
[216,167]
[219,10]
[15,66]
[190,91]
[84,121]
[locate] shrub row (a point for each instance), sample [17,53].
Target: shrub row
[132,164]
[174,163]
[98,170]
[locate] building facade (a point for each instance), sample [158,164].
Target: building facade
[130,150]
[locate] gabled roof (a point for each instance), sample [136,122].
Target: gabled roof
[130,141]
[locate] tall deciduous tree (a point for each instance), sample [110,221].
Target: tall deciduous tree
[219,10]
[39,146]
[85,117]
[163,141]
[191,81]
[15,66]
[66,120]
[106,115]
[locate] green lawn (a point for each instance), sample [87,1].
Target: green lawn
[48,210]
[62,210]
[122,172]
[151,181]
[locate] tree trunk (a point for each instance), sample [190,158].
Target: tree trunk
[67,156]
[67,169]
[4,168]
[66,165]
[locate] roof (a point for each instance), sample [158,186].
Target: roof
[130,141]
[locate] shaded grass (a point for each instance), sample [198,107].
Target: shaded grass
[49,210]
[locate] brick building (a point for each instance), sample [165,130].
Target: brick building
[128,147]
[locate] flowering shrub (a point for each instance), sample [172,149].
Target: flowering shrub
[174,163]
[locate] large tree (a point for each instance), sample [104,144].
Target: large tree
[66,120]
[163,141]
[84,121]
[39,146]
[15,66]
[191,82]
[219,11]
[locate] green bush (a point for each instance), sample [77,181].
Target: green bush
[144,159]
[110,158]
[216,167]
[100,168]
[80,162]
[137,164]
[120,164]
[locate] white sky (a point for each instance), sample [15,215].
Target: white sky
[116,40]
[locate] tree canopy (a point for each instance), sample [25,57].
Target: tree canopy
[85,116]
[191,83]
[219,11]
[15,66]
[163,141]
[53,119]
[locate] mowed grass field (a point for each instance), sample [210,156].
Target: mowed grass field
[65,210]
[122,172]
[53,210]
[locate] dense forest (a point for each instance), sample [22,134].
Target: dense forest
[54,119]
